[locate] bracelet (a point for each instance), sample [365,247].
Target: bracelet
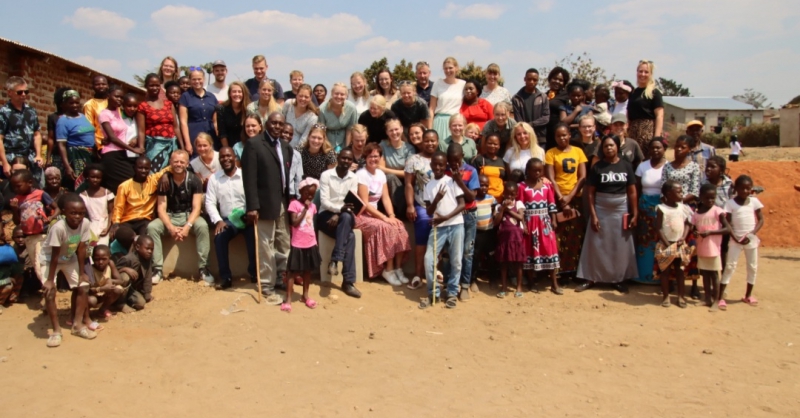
[189,224]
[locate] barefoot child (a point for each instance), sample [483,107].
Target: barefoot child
[64,250]
[136,271]
[304,256]
[745,218]
[444,202]
[105,285]
[711,224]
[511,248]
[672,252]
[99,203]
[541,244]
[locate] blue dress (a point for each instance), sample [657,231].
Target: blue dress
[200,113]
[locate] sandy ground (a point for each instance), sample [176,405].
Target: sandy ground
[597,353]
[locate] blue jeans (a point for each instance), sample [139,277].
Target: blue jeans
[345,248]
[453,236]
[470,223]
[221,243]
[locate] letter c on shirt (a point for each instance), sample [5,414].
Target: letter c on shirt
[569,165]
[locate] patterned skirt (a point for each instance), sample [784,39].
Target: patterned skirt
[79,158]
[382,241]
[158,149]
[542,245]
[646,239]
[570,241]
[642,131]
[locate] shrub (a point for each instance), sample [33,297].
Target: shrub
[760,135]
[717,140]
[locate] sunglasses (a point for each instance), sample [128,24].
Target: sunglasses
[320,126]
[21,92]
[425,63]
[197,69]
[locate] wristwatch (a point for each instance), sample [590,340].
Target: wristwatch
[189,223]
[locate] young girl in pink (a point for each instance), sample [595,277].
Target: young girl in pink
[540,217]
[711,225]
[511,248]
[304,257]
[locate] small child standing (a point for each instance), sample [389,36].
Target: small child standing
[64,250]
[736,149]
[105,285]
[672,252]
[711,224]
[29,207]
[745,218]
[539,199]
[484,228]
[99,203]
[511,248]
[304,256]
[444,202]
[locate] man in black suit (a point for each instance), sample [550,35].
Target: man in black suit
[266,161]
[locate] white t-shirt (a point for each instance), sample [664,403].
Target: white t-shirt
[448,202]
[66,239]
[674,220]
[201,169]
[362,103]
[448,96]
[374,183]
[520,162]
[621,107]
[499,94]
[736,148]
[743,218]
[651,178]
[220,93]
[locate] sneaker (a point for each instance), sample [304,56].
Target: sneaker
[400,276]
[157,277]
[464,294]
[208,279]
[390,278]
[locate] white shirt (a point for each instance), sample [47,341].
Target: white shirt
[621,107]
[520,162]
[448,96]
[736,148]
[499,94]
[333,189]
[227,191]
[374,183]
[743,218]
[448,202]
[651,178]
[204,171]
[220,93]
[362,103]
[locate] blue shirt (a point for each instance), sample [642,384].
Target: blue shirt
[425,94]
[77,132]
[17,128]
[252,87]
[470,177]
[199,112]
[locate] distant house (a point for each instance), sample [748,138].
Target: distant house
[712,111]
[45,72]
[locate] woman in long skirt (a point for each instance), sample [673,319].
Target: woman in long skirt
[648,184]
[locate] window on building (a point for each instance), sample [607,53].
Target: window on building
[721,120]
[747,121]
[701,119]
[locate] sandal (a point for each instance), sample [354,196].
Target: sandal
[722,305]
[752,301]
[557,290]
[95,326]
[84,332]
[450,303]
[425,303]
[54,340]
[501,295]
[286,307]
[311,303]
[666,303]
[517,294]
[415,284]
[682,303]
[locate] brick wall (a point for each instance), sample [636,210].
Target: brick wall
[44,74]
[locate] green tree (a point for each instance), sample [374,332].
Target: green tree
[753,98]
[371,71]
[579,67]
[404,70]
[470,71]
[670,87]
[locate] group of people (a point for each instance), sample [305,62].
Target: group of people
[531,182]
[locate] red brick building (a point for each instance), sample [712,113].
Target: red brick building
[46,72]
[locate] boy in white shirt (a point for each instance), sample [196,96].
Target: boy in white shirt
[445,202]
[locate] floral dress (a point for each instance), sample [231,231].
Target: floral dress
[543,245]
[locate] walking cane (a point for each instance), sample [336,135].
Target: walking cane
[258,264]
[435,261]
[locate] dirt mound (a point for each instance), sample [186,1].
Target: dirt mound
[781,201]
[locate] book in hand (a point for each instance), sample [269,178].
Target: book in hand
[353,199]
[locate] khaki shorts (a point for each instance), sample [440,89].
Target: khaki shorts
[70,269]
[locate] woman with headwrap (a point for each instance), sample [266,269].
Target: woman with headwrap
[75,141]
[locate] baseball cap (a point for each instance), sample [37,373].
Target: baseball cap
[694,123]
[218,63]
[619,117]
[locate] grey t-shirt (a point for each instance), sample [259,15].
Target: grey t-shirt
[396,158]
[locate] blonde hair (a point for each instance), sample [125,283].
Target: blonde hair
[335,85]
[175,76]
[202,136]
[502,105]
[493,69]
[273,104]
[365,93]
[378,100]
[296,73]
[534,145]
[310,107]
[359,129]
[326,146]
[651,83]
[473,126]
[454,117]
[259,58]
[450,60]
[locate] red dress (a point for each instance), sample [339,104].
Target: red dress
[542,242]
[479,113]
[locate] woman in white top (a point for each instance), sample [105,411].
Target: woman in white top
[736,149]
[446,97]
[359,95]
[648,183]
[207,161]
[384,86]
[385,237]
[493,92]
[301,113]
[524,147]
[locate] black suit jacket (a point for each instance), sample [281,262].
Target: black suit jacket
[261,176]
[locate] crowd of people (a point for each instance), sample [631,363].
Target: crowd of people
[569,183]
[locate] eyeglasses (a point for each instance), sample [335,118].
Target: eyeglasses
[21,92]
[320,126]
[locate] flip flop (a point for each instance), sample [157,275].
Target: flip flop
[84,332]
[311,303]
[450,303]
[666,303]
[682,303]
[557,290]
[285,307]
[95,326]
[501,295]
[54,340]
[722,305]
[752,301]
[517,294]
[415,284]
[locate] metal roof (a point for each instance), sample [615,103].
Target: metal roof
[73,63]
[707,103]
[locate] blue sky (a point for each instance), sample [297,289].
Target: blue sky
[714,47]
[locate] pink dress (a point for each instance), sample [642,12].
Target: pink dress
[541,240]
